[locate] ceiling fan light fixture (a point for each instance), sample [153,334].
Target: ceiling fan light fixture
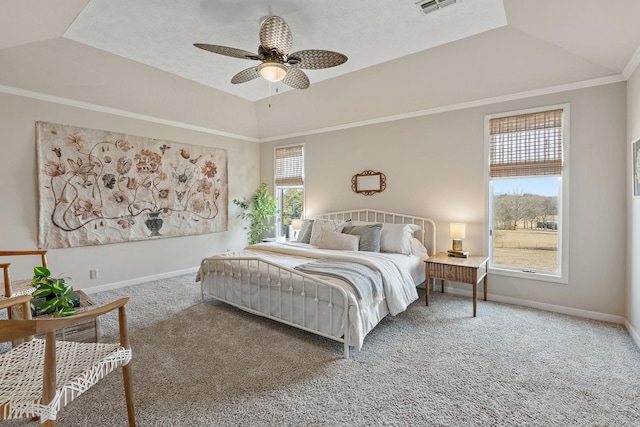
[272,71]
[274,52]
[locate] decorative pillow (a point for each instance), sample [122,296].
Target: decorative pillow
[396,238]
[322,225]
[369,236]
[352,222]
[304,236]
[338,241]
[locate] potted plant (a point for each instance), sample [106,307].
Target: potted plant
[259,210]
[52,295]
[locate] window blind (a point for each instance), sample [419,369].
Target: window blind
[526,144]
[289,166]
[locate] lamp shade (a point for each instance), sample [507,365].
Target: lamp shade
[272,71]
[457,230]
[296,224]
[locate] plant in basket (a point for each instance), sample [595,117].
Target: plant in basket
[52,295]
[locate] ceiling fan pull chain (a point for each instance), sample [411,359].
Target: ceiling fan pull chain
[269,94]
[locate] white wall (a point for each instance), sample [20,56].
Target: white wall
[116,263]
[633,212]
[435,168]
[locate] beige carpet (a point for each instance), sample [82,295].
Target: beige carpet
[212,365]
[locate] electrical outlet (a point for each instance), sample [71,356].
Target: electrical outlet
[93,274]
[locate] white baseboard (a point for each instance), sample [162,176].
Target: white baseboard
[632,332]
[138,280]
[544,306]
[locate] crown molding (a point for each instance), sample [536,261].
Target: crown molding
[460,106]
[117,112]
[436,110]
[632,64]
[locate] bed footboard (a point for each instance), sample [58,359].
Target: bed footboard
[280,293]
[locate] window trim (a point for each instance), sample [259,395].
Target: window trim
[278,218]
[563,200]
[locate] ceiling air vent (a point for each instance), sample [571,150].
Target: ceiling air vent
[427,6]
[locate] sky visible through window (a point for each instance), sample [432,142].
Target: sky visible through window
[543,186]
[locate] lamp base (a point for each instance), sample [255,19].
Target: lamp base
[457,245]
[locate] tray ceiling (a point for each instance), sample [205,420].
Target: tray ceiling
[161,33]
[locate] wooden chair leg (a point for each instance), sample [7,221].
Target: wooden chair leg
[49,373]
[128,393]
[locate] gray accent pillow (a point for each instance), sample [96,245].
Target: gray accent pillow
[369,236]
[305,232]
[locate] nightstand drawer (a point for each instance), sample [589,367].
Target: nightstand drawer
[452,272]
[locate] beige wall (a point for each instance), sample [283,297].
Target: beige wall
[429,79]
[633,213]
[116,263]
[61,67]
[434,167]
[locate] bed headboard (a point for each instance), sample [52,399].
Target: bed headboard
[426,235]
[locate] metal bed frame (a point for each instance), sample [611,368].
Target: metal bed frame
[249,276]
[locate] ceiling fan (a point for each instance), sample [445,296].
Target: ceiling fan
[277,63]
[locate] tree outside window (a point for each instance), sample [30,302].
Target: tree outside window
[289,184]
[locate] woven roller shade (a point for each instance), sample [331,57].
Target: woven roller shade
[526,144]
[289,164]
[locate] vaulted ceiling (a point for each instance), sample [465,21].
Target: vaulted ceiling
[139,56]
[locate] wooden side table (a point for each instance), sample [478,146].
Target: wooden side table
[464,270]
[88,331]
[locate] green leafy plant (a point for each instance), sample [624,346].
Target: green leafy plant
[52,295]
[259,210]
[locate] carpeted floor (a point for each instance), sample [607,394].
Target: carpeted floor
[213,365]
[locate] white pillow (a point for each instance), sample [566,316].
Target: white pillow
[322,225]
[339,241]
[396,238]
[417,248]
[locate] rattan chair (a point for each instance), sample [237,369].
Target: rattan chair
[13,288]
[40,377]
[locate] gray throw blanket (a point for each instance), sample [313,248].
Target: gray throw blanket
[365,281]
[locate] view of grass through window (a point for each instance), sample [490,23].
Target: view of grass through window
[525,228]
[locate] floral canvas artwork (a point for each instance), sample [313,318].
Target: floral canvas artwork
[99,187]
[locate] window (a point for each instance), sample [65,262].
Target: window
[528,193]
[289,184]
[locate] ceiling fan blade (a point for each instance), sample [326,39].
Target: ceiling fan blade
[296,78]
[276,34]
[227,51]
[314,59]
[246,75]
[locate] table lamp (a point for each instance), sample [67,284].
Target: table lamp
[296,225]
[457,233]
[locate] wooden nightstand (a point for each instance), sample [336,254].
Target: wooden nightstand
[464,270]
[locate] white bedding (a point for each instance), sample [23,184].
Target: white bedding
[401,273]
